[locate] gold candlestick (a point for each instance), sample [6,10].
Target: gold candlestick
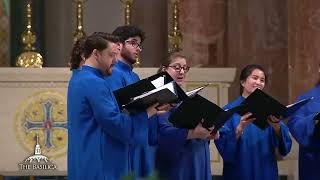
[79,32]
[127,11]
[175,37]
[29,58]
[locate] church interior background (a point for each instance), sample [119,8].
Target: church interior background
[283,36]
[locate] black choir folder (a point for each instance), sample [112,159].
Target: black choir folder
[261,105]
[317,127]
[159,88]
[195,109]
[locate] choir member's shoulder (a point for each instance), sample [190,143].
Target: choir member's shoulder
[233,103]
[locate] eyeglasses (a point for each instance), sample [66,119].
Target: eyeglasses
[178,68]
[134,44]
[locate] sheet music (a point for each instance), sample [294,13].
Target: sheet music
[169,86]
[299,102]
[195,91]
[158,82]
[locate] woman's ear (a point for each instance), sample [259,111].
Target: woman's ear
[164,68]
[242,83]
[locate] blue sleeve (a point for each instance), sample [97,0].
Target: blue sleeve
[126,128]
[153,130]
[302,125]
[227,142]
[302,128]
[136,77]
[171,137]
[284,142]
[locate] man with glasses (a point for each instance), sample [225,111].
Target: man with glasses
[130,48]
[131,38]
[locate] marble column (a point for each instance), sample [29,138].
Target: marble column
[203,26]
[59,26]
[304,44]
[151,16]
[257,33]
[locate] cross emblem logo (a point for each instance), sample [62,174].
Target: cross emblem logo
[43,114]
[48,124]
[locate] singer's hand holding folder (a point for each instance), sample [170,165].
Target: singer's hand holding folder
[196,109]
[261,105]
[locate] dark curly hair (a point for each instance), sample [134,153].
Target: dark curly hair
[126,32]
[77,53]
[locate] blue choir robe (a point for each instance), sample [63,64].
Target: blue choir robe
[252,156]
[302,127]
[98,133]
[142,157]
[178,158]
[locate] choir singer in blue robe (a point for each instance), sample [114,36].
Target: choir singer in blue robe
[182,154]
[248,152]
[131,39]
[305,128]
[98,133]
